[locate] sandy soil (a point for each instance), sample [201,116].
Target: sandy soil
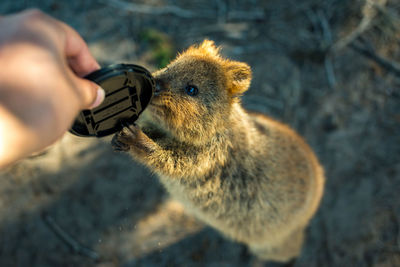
[346,105]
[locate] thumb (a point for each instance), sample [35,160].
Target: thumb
[92,95]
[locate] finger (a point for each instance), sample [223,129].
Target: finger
[77,52]
[91,94]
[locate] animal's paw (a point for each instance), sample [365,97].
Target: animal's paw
[131,138]
[118,145]
[123,140]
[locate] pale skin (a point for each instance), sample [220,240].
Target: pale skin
[42,62]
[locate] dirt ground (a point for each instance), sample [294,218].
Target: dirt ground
[314,68]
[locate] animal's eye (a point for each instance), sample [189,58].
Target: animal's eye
[191,90]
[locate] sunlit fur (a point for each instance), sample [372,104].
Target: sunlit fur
[252,178]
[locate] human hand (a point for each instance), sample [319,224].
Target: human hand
[42,61]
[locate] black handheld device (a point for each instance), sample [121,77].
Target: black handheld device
[128,90]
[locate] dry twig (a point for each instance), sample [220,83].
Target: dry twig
[328,40]
[74,245]
[185,13]
[155,10]
[366,49]
[369,12]
[325,40]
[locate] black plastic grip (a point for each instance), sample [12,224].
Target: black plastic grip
[129,89]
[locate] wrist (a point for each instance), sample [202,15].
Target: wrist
[16,141]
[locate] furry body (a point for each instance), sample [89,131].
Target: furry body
[252,178]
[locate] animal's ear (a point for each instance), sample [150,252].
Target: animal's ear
[239,77]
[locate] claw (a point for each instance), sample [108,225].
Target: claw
[125,124]
[130,126]
[131,139]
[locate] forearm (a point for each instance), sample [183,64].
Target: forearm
[169,158]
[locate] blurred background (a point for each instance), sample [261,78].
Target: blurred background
[329,68]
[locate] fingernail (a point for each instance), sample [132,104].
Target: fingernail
[99,98]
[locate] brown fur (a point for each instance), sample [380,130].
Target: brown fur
[250,177]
